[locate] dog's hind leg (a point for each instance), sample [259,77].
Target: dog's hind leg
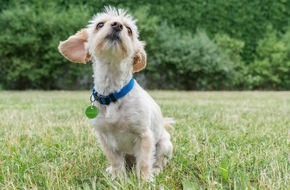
[163,152]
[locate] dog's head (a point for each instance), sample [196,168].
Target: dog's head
[112,34]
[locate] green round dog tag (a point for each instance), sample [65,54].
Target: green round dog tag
[91,112]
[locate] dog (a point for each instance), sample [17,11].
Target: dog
[132,125]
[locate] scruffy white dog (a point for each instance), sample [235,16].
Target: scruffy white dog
[130,123]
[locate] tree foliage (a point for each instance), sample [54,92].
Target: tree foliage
[191,45]
[270,69]
[29,40]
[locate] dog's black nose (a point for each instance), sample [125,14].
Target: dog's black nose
[117,26]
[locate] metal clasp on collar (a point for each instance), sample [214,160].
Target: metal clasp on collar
[101,99]
[92,98]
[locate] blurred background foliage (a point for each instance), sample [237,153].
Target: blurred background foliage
[191,45]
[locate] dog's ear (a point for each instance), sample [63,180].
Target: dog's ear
[74,48]
[140,58]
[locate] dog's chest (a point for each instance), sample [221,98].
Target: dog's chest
[120,139]
[117,130]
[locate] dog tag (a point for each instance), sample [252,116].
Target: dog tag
[91,112]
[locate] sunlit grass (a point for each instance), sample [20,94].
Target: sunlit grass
[222,140]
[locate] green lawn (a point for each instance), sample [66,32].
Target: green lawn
[222,140]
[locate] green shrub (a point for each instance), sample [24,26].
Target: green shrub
[208,66]
[228,56]
[191,62]
[271,67]
[234,49]
[29,43]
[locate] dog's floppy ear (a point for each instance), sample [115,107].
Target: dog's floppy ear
[74,47]
[139,60]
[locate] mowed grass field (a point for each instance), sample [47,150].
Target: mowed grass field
[222,140]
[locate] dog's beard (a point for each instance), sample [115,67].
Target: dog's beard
[113,44]
[114,38]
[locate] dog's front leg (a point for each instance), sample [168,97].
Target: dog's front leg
[145,156]
[116,160]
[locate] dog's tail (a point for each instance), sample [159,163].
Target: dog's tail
[168,122]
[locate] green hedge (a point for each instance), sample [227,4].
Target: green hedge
[271,67]
[191,45]
[29,40]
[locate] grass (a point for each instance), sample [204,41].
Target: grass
[222,140]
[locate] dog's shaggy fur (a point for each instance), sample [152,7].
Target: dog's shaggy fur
[134,124]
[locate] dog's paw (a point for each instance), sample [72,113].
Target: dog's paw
[109,170]
[145,174]
[156,170]
[116,172]
[147,177]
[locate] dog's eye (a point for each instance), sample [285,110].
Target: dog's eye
[129,30]
[100,25]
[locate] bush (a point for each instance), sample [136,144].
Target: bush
[29,43]
[271,67]
[191,62]
[234,49]
[207,65]
[228,56]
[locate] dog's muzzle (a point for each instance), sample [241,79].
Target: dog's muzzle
[116,26]
[116,29]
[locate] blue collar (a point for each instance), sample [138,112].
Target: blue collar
[113,97]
